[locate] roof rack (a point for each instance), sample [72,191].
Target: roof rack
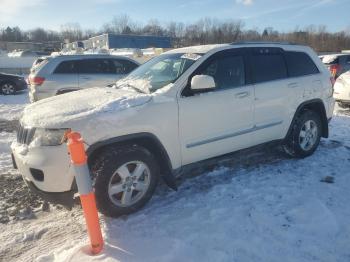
[261,42]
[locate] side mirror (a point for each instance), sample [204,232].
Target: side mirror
[202,82]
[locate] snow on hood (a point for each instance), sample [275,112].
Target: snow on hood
[58,110]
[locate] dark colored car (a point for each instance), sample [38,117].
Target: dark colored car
[10,84]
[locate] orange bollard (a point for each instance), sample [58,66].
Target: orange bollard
[87,196]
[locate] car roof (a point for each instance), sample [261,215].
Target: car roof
[196,49]
[86,56]
[338,54]
[206,48]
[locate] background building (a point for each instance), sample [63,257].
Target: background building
[31,46]
[114,41]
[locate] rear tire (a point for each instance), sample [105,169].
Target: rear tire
[125,179]
[305,135]
[8,88]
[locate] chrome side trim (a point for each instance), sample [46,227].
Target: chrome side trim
[243,132]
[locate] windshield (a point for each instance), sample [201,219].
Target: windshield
[158,72]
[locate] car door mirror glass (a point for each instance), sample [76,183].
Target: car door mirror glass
[202,82]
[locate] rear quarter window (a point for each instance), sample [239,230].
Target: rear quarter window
[300,64]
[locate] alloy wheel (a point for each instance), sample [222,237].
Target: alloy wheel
[129,183]
[8,89]
[308,135]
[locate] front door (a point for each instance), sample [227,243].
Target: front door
[221,120]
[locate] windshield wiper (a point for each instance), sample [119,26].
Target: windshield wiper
[133,87]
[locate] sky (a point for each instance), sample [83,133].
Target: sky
[283,15]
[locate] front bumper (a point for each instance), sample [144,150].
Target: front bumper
[57,185]
[53,161]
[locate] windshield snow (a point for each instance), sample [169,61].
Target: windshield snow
[158,72]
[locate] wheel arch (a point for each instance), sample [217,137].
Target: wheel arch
[315,105]
[147,140]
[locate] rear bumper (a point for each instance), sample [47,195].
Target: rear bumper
[35,95]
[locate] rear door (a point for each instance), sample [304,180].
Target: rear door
[63,77]
[274,93]
[96,72]
[304,76]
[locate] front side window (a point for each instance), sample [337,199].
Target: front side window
[158,72]
[268,67]
[96,66]
[227,71]
[300,64]
[66,67]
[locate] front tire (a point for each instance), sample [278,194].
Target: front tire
[305,135]
[125,179]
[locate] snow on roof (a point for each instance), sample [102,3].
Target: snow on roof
[330,58]
[196,49]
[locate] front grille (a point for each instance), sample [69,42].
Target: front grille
[25,135]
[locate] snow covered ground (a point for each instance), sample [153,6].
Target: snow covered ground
[254,205]
[12,106]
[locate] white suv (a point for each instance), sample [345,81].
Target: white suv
[179,108]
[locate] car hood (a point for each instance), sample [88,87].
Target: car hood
[59,111]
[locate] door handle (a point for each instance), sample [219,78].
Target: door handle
[242,95]
[293,85]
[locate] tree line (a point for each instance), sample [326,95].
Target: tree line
[203,31]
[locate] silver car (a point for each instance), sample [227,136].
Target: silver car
[65,73]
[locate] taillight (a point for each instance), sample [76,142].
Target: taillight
[36,80]
[334,69]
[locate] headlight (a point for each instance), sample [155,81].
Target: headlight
[49,137]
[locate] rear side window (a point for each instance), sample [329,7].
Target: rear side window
[122,66]
[268,67]
[96,66]
[66,67]
[300,64]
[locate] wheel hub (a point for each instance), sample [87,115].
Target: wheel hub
[132,182]
[308,135]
